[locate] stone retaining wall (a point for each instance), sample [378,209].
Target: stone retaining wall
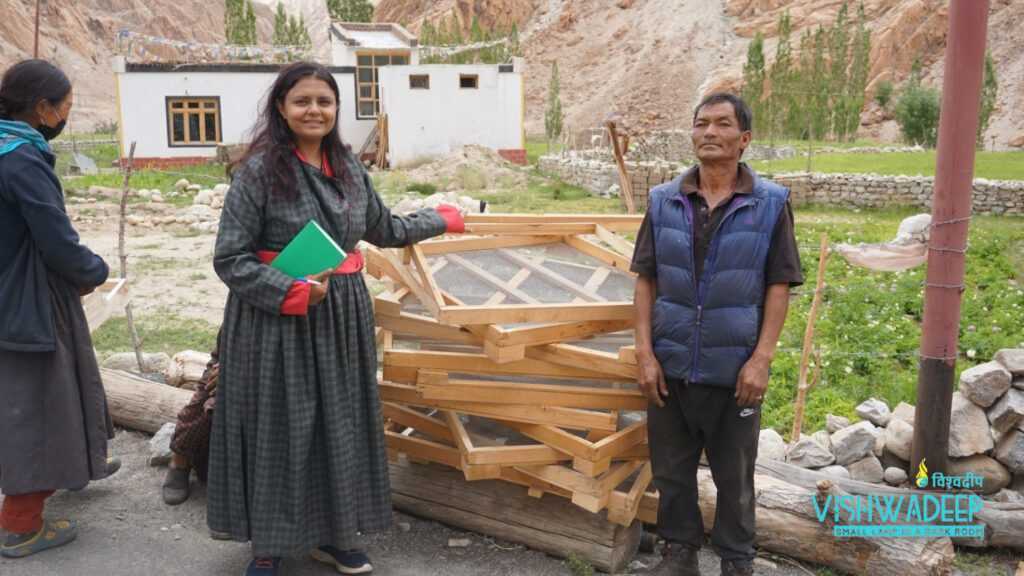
[600,177]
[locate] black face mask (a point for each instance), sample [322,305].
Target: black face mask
[51,132]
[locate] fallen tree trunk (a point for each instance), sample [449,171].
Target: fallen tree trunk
[141,404]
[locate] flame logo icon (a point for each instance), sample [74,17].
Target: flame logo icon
[922,475]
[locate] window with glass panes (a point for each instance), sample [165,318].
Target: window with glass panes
[193,121]
[367,86]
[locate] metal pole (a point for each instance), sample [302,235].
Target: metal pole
[35,47]
[951,209]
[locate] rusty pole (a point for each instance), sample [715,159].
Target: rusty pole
[951,209]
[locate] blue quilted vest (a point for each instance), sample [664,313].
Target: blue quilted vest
[705,333]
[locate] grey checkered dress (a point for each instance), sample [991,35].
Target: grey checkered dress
[297,455]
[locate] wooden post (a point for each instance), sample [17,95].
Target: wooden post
[35,45]
[624,182]
[805,357]
[951,210]
[122,254]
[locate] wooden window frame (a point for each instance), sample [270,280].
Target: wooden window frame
[474,77]
[374,83]
[201,111]
[424,77]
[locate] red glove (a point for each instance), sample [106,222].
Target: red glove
[453,218]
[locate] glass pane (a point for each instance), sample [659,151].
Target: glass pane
[193,128]
[365,60]
[467,81]
[193,104]
[211,127]
[177,128]
[366,74]
[419,81]
[177,105]
[381,60]
[366,108]
[365,90]
[399,60]
[209,104]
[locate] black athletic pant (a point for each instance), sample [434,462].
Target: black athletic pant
[705,417]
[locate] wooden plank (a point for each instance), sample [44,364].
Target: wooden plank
[517,455]
[624,510]
[418,421]
[503,354]
[627,354]
[393,268]
[424,449]
[606,483]
[554,437]
[491,279]
[590,467]
[570,355]
[462,363]
[425,327]
[527,313]
[597,278]
[552,333]
[504,511]
[426,275]
[514,282]
[611,221]
[531,228]
[625,184]
[552,277]
[108,298]
[618,243]
[467,244]
[550,415]
[536,394]
[620,441]
[613,259]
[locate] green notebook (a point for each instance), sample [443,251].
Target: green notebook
[311,252]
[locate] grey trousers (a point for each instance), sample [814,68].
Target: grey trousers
[707,418]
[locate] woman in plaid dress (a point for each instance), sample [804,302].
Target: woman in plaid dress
[297,455]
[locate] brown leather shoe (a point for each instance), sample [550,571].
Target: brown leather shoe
[677,560]
[737,568]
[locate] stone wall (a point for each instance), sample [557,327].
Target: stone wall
[599,176]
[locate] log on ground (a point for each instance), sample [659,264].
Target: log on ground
[141,404]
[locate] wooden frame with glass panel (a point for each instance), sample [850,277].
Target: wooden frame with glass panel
[193,121]
[367,81]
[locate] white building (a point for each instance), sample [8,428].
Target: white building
[180,113]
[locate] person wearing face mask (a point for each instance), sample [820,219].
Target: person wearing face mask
[54,421]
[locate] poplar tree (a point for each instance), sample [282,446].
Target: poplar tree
[350,10]
[553,115]
[753,82]
[839,40]
[989,93]
[858,79]
[781,78]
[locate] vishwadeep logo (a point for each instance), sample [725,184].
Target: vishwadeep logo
[910,515]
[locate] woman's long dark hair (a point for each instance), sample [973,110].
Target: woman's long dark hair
[273,137]
[28,82]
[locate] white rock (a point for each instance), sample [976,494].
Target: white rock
[144,194]
[193,188]
[875,411]
[807,453]
[1012,359]
[968,429]
[899,437]
[1008,496]
[158,198]
[160,445]
[836,471]
[895,476]
[459,542]
[853,443]
[203,197]
[905,412]
[1007,412]
[126,361]
[994,475]
[823,438]
[985,383]
[221,190]
[1010,451]
[186,366]
[867,469]
[835,423]
[771,446]
[181,185]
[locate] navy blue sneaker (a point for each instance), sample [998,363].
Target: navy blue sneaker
[344,561]
[264,567]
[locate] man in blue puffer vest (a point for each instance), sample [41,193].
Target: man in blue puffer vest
[715,258]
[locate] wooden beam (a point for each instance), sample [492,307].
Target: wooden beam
[604,219]
[447,246]
[526,313]
[553,436]
[503,354]
[552,277]
[624,511]
[517,455]
[613,259]
[552,333]
[606,483]
[462,363]
[625,184]
[491,279]
[531,229]
[597,278]
[425,327]
[627,354]
[424,449]
[426,275]
[417,421]
[570,355]
[618,243]
[536,394]
[619,442]
[397,271]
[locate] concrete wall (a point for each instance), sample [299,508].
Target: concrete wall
[143,108]
[848,190]
[345,55]
[433,122]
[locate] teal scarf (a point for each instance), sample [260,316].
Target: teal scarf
[15,133]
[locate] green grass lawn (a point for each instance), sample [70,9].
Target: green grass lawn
[162,332]
[992,165]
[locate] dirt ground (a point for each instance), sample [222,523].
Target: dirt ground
[126,530]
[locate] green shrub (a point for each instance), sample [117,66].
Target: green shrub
[883,94]
[917,113]
[424,188]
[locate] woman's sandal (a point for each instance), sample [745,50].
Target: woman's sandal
[54,533]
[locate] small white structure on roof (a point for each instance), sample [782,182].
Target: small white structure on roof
[180,113]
